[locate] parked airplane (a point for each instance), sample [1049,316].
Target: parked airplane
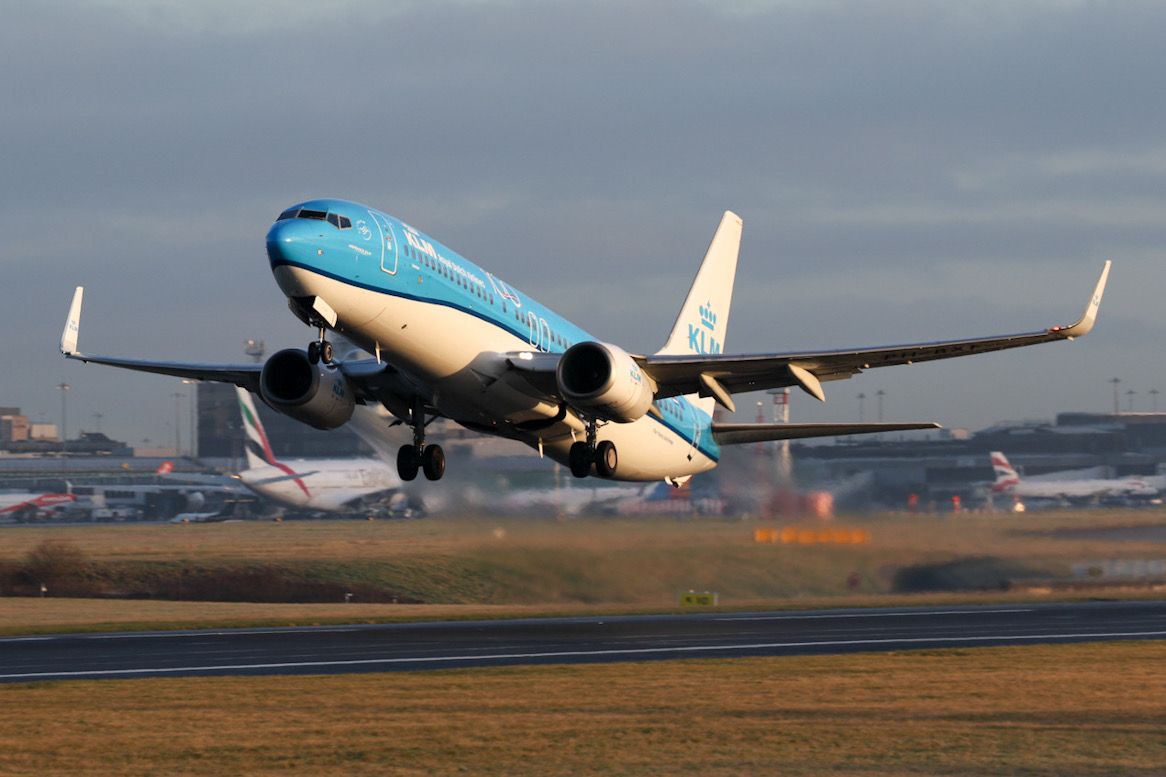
[326,485]
[19,505]
[450,339]
[1009,482]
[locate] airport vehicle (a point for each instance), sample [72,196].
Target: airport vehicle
[451,339]
[1009,482]
[324,485]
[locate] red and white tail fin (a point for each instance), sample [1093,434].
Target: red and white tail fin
[1006,477]
[165,468]
[256,446]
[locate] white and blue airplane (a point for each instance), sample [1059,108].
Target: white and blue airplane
[448,338]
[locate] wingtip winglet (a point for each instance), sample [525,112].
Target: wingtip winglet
[72,324]
[1089,317]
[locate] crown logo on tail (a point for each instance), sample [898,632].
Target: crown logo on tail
[708,318]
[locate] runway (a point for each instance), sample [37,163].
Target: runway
[448,645]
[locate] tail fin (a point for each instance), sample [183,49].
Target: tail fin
[256,445]
[704,318]
[1006,476]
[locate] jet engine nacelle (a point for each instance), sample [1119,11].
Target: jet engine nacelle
[315,394]
[602,380]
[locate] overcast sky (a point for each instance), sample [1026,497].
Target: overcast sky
[906,171]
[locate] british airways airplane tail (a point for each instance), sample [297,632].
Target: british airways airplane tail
[704,318]
[1006,476]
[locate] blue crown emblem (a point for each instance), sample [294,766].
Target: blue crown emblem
[707,317]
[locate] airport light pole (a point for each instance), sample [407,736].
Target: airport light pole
[64,387]
[861,406]
[178,395]
[1115,382]
[193,427]
[1130,400]
[880,394]
[1154,398]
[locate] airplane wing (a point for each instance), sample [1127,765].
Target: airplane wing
[244,375]
[735,434]
[368,375]
[720,376]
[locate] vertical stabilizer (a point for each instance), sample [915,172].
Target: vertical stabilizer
[704,318]
[259,453]
[1006,476]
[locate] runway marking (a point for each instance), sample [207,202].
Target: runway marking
[579,654]
[868,615]
[222,633]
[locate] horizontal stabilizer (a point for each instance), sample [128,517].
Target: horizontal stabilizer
[736,434]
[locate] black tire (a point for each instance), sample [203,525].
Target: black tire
[326,352]
[579,459]
[408,462]
[433,462]
[606,459]
[313,352]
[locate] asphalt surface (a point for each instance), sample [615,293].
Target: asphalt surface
[447,645]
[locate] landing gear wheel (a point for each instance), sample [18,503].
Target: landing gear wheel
[579,459]
[313,352]
[606,459]
[326,352]
[433,462]
[408,462]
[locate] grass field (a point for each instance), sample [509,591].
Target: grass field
[487,566]
[1081,710]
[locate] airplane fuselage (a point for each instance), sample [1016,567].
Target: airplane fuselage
[442,321]
[327,485]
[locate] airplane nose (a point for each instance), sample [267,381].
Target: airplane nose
[291,240]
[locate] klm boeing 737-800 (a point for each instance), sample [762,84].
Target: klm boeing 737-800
[449,339]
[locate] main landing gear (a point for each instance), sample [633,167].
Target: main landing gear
[429,459]
[320,350]
[584,454]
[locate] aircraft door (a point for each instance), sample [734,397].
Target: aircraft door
[388,238]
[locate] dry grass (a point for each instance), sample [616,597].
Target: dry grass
[490,566]
[1002,535]
[1084,709]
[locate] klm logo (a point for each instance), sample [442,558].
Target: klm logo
[701,338]
[708,319]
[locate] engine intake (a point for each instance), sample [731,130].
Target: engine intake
[315,394]
[603,380]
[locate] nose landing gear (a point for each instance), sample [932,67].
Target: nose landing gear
[320,350]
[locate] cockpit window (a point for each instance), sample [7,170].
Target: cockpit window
[335,219]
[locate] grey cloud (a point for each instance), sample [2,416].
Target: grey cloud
[876,151]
